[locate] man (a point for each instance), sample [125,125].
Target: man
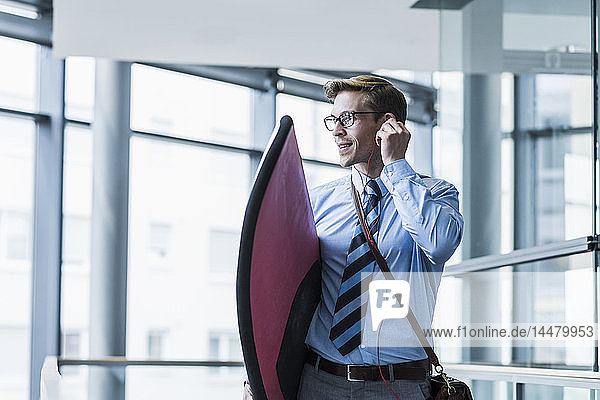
[416,224]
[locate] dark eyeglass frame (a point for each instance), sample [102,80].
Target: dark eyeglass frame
[344,114]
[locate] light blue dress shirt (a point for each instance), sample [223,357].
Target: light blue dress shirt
[420,228]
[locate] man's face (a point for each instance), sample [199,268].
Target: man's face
[356,142]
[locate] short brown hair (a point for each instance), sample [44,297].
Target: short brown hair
[378,94]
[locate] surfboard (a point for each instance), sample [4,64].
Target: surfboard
[279,270]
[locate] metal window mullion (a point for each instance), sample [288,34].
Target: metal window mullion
[594,71]
[47,216]
[37,117]
[253,78]
[298,88]
[195,142]
[517,391]
[596,141]
[78,122]
[263,121]
[32,30]
[556,131]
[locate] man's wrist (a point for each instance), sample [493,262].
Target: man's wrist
[398,169]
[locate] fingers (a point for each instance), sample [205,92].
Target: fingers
[392,126]
[383,135]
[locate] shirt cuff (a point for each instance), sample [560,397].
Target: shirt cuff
[398,169]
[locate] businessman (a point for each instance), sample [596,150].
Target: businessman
[416,224]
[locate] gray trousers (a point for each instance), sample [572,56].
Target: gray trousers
[321,385]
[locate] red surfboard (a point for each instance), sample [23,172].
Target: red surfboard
[279,270]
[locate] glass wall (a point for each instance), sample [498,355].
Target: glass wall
[554,292]
[77,208]
[516,107]
[528,87]
[186,106]
[18,77]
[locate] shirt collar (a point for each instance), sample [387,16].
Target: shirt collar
[360,180]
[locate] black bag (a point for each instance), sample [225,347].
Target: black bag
[443,387]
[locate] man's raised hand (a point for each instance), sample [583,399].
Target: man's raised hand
[393,138]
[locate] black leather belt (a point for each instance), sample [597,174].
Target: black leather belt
[411,370]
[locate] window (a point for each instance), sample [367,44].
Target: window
[563,190]
[314,141]
[224,346]
[17,233]
[76,237]
[18,74]
[156,342]
[195,221]
[79,88]
[556,291]
[187,106]
[563,100]
[224,247]
[16,210]
[159,238]
[72,345]
[318,174]
[76,240]
[14,346]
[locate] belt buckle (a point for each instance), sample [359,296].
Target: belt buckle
[348,378]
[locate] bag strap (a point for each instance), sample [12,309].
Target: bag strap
[388,275]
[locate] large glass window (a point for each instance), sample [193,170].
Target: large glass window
[186,208]
[314,141]
[76,238]
[557,168]
[319,174]
[448,157]
[514,136]
[552,292]
[18,74]
[79,88]
[16,210]
[563,187]
[182,105]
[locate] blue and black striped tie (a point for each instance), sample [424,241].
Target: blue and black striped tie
[350,308]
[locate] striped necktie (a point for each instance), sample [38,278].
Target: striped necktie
[350,309]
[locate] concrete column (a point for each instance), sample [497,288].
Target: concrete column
[524,204]
[482,65]
[108,277]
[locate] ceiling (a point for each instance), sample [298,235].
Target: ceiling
[330,35]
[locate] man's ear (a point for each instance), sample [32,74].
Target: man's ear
[389,115]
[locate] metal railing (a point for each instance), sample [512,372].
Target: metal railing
[521,256]
[539,376]
[542,376]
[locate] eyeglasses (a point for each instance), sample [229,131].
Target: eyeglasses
[346,119]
